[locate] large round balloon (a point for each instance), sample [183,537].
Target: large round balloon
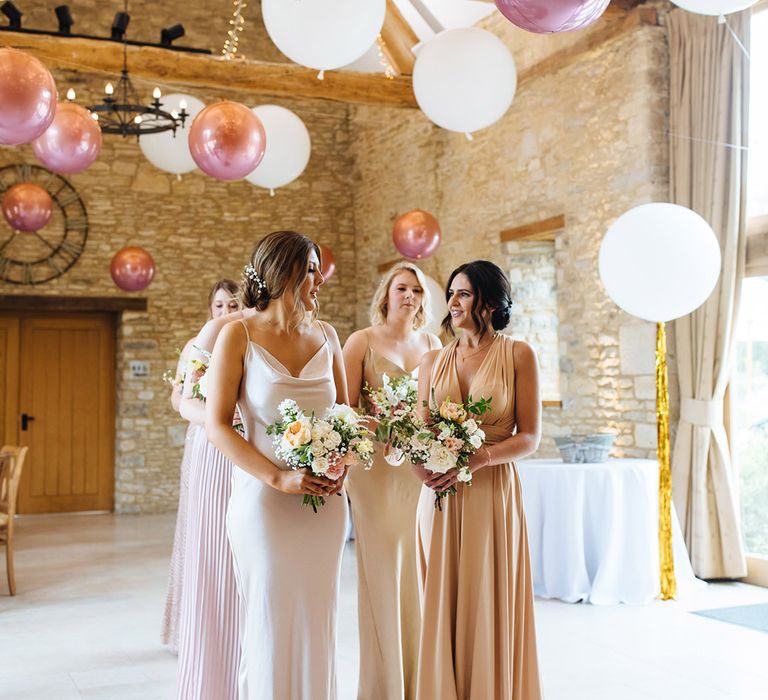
[553,15]
[659,261]
[288,147]
[464,79]
[416,234]
[714,7]
[323,34]
[132,269]
[227,140]
[71,143]
[438,308]
[27,97]
[27,207]
[166,151]
[327,261]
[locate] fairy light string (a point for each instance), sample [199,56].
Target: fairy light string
[236,26]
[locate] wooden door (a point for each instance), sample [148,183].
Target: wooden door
[67,392]
[9,380]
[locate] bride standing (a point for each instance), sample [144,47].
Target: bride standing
[287,558]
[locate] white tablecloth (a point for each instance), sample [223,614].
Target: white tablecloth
[593,531]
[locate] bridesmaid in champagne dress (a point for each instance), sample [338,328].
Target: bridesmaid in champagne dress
[209,642]
[384,499]
[222,299]
[478,638]
[287,557]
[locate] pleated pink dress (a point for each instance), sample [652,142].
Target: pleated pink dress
[209,646]
[478,640]
[169,633]
[287,558]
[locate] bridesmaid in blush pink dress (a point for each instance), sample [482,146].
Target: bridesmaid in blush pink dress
[287,557]
[209,636]
[223,298]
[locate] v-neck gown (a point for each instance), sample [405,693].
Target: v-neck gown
[287,558]
[384,501]
[478,639]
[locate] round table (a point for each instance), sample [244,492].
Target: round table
[593,531]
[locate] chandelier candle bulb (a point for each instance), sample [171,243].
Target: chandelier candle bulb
[137,119]
[71,94]
[156,93]
[109,88]
[183,105]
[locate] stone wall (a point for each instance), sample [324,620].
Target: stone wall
[587,141]
[197,229]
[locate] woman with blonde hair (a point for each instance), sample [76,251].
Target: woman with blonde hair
[384,499]
[287,557]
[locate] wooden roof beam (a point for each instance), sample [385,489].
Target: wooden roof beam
[398,40]
[544,230]
[174,68]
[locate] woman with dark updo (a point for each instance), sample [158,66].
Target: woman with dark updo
[477,638]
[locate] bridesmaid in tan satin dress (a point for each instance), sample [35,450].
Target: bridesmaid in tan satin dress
[384,498]
[478,639]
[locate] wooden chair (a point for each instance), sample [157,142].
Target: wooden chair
[10,474]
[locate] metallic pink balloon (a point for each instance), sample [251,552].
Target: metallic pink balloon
[416,235]
[71,143]
[132,269]
[553,15]
[327,261]
[27,97]
[27,207]
[227,140]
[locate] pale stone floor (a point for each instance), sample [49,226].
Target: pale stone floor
[91,588]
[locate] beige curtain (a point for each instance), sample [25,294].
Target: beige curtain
[709,90]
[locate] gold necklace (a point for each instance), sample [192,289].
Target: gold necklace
[463,356]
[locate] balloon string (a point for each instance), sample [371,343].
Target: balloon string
[723,20]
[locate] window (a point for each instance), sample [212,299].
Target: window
[750,378]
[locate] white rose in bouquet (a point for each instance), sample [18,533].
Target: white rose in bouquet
[476,441]
[470,425]
[441,459]
[344,413]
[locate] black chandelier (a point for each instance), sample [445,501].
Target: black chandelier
[121,112]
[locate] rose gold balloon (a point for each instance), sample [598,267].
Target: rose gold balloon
[327,261]
[27,207]
[416,234]
[27,97]
[132,269]
[72,141]
[227,140]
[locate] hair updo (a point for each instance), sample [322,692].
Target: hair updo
[275,264]
[492,292]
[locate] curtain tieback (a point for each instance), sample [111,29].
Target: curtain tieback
[703,412]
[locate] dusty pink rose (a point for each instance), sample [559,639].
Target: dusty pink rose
[453,444]
[335,470]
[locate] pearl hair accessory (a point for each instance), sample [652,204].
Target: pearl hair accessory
[249,272]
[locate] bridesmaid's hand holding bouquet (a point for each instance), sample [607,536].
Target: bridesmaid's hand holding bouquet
[450,435]
[326,446]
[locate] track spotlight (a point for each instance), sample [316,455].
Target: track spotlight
[119,25]
[13,14]
[170,34]
[65,19]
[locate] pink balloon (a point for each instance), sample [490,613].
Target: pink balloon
[27,97]
[71,143]
[132,269]
[553,15]
[27,207]
[327,261]
[416,234]
[227,140]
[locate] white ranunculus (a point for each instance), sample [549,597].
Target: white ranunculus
[465,475]
[470,425]
[475,440]
[320,430]
[343,412]
[332,440]
[320,465]
[441,459]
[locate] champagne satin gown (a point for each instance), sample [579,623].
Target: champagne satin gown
[478,640]
[384,501]
[287,558]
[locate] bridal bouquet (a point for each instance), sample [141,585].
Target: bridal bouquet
[199,369]
[326,445]
[392,406]
[171,377]
[447,439]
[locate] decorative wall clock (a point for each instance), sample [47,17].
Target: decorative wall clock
[40,256]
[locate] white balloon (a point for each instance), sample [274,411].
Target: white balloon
[323,34]
[659,261]
[464,79]
[714,7]
[166,151]
[288,147]
[437,306]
